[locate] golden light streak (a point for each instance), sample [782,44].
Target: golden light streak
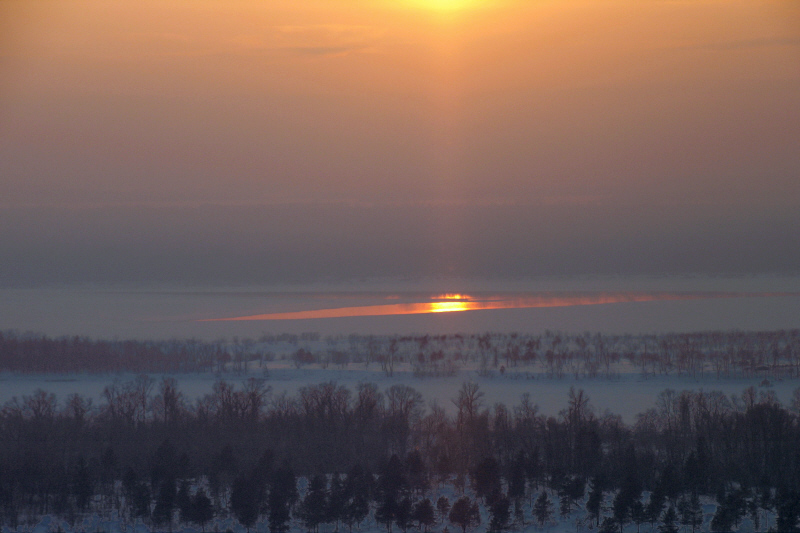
[466,303]
[449,307]
[452,296]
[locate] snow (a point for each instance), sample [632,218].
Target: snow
[626,395]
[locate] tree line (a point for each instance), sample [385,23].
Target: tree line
[148,454]
[721,354]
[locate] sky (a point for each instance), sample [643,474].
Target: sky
[284,141]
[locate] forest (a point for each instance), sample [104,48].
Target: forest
[333,457]
[553,354]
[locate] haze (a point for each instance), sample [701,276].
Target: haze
[275,141]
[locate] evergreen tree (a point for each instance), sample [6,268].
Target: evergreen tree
[519,514]
[564,504]
[637,514]
[402,516]
[668,524]
[609,525]
[500,513]
[183,500]
[655,506]
[244,501]
[313,509]
[417,472]
[165,503]
[691,512]
[282,497]
[595,501]
[202,510]
[737,504]
[357,492]
[787,505]
[83,487]
[465,514]
[621,508]
[766,500]
[140,501]
[443,506]
[337,499]
[543,509]
[752,510]
[486,478]
[723,518]
[386,512]
[391,481]
[516,477]
[423,514]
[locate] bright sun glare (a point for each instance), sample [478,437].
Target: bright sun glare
[445,5]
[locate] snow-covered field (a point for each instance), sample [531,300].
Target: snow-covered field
[626,395]
[574,522]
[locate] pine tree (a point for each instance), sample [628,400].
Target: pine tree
[423,514]
[543,509]
[82,484]
[723,518]
[337,498]
[500,513]
[417,472]
[282,497]
[465,514]
[486,478]
[357,496]
[183,501]
[403,514]
[637,513]
[621,508]
[386,512]
[312,510]
[165,502]
[202,510]
[691,512]
[595,501]
[609,525]
[655,506]
[516,477]
[787,505]
[519,514]
[668,524]
[443,506]
[244,501]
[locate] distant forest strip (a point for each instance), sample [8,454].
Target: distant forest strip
[145,453]
[724,354]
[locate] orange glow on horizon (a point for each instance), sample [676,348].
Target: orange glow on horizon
[452,296]
[451,305]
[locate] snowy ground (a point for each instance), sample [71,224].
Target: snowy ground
[575,522]
[627,395]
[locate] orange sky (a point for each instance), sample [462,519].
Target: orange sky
[378,100]
[690,106]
